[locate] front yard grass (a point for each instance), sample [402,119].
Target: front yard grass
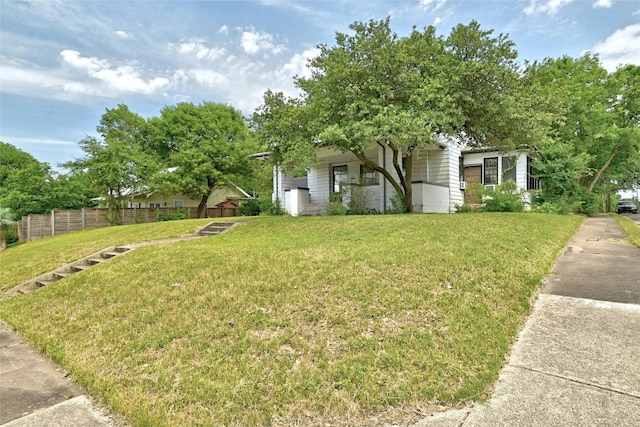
[26,261]
[299,321]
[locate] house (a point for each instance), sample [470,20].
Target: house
[441,175]
[153,199]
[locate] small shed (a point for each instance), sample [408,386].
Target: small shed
[227,204]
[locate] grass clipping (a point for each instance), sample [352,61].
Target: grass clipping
[289,321]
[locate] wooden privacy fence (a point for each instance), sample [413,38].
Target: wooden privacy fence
[38,226]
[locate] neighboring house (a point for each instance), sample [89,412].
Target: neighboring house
[231,193]
[440,177]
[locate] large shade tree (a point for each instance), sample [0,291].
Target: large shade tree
[373,87]
[205,145]
[118,162]
[28,186]
[596,130]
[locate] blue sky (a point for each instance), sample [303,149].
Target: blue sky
[62,63]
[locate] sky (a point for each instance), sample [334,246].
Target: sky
[63,63]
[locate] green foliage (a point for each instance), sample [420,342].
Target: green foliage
[251,207]
[8,228]
[178,215]
[261,206]
[398,205]
[505,198]
[336,208]
[596,122]
[206,144]
[359,199]
[336,196]
[28,186]
[118,163]
[269,207]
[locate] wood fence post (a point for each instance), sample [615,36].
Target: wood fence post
[84,213]
[53,222]
[29,228]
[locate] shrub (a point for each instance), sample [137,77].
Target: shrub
[179,214]
[336,208]
[251,207]
[505,198]
[398,205]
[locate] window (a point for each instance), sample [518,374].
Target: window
[509,168]
[340,177]
[368,176]
[178,203]
[491,170]
[155,205]
[533,182]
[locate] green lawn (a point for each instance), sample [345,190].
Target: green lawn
[298,321]
[26,261]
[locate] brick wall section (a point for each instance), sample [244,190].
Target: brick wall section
[38,226]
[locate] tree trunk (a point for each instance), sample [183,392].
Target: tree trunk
[408,191]
[604,167]
[202,207]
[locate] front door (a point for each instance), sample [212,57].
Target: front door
[472,175]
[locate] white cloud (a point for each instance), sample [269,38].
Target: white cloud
[549,6]
[207,78]
[24,78]
[621,47]
[198,48]
[432,4]
[603,3]
[123,35]
[298,64]
[437,21]
[223,30]
[253,41]
[37,140]
[124,78]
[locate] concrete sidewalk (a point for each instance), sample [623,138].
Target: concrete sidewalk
[575,362]
[35,392]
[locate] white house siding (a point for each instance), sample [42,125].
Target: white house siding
[456,197]
[282,181]
[438,166]
[318,179]
[477,159]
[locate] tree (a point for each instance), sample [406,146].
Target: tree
[6,223]
[118,163]
[599,116]
[376,87]
[596,131]
[207,145]
[25,183]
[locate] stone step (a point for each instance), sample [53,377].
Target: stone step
[121,249]
[107,255]
[80,267]
[61,274]
[42,283]
[94,261]
[216,228]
